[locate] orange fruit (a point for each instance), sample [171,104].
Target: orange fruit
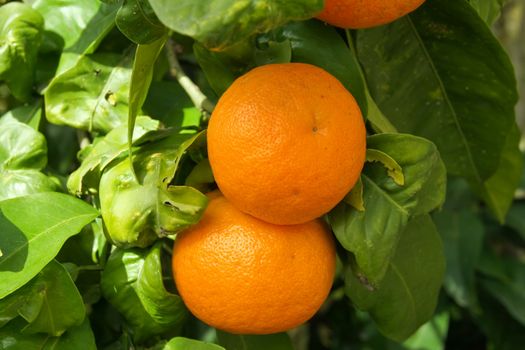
[366,13]
[246,276]
[286,142]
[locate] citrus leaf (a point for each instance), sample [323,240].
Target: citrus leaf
[17,183]
[20,36]
[489,10]
[466,112]
[278,341]
[222,23]
[74,28]
[27,114]
[34,228]
[21,146]
[77,337]
[137,21]
[399,305]
[92,95]
[141,75]
[120,283]
[180,343]
[372,235]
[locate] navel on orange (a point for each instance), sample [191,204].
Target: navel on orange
[243,275]
[286,142]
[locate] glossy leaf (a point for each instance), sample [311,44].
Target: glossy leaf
[141,75]
[21,146]
[138,22]
[50,303]
[460,82]
[181,343]
[93,95]
[17,183]
[20,36]
[27,114]
[127,272]
[316,43]
[371,235]
[74,28]
[34,228]
[219,24]
[78,337]
[407,296]
[136,211]
[498,190]
[278,341]
[86,178]
[432,335]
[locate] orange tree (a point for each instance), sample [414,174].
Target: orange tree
[391,138]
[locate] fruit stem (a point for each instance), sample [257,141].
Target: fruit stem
[194,92]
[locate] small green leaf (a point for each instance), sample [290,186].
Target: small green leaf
[180,343]
[407,296]
[17,183]
[34,228]
[431,335]
[92,95]
[20,36]
[355,197]
[21,146]
[27,114]
[138,22]
[222,23]
[489,10]
[201,176]
[278,341]
[393,169]
[141,75]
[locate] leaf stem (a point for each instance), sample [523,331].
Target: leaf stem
[194,92]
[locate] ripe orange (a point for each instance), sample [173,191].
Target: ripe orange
[286,142]
[246,276]
[365,13]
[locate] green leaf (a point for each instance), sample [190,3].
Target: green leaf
[392,168]
[457,79]
[20,36]
[74,27]
[127,272]
[86,178]
[78,337]
[407,296]
[278,341]
[180,343]
[321,45]
[33,229]
[136,20]
[138,210]
[372,235]
[17,183]
[489,10]
[462,232]
[21,146]
[141,75]
[516,218]
[505,280]
[49,303]
[92,95]
[219,24]
[498,190]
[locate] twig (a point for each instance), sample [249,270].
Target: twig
[194,92]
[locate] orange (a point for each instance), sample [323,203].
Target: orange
[365,13]
[246,276]
[286,142]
